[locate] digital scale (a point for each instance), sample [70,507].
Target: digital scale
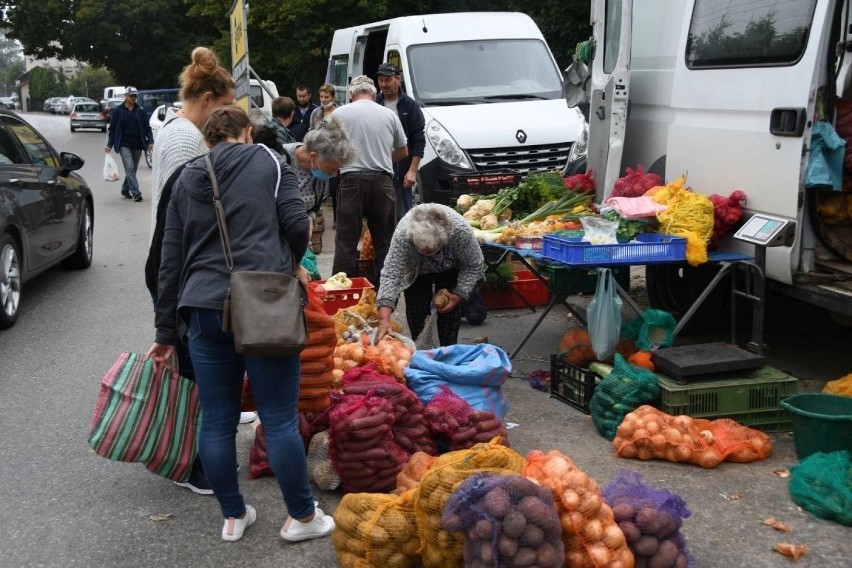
[695,361]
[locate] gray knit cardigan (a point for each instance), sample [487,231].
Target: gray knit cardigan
[402,262]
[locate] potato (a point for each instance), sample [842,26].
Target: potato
[640,562]
[514,524]
[532,537]
[536,511]
[507,547]
[452,522]
[668,527]
[486,552]
[482,530]
[665,556]
[547,555]
[623,512]
[649,520]
[631,533]
[681,561]
[496,502]
[525,557]
[441,299]
[646,546]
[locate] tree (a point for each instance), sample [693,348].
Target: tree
[144,42]
[44,83]
[91,82]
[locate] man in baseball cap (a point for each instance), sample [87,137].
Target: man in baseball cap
[130,134]
[413,124]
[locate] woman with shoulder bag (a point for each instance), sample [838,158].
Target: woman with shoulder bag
[268,232]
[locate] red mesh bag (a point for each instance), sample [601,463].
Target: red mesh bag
[258,457]
[727,212]
[448,413]
[361,447]
[635,183]
[508,520]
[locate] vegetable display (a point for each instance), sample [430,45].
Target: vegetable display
[453,421]
[508,520]
[591,537]
[727,212]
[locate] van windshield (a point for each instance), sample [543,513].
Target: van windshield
[483,70]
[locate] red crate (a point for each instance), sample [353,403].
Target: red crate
[336,299]
[527,284]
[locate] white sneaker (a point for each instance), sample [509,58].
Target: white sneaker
[234,527]
[247,417]
[320,525]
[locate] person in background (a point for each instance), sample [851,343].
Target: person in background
[130,134]
[413,124]
[327,106]
[366,188]
[283,113]
[433,248]
[204,86]
[268,230]
[302,118]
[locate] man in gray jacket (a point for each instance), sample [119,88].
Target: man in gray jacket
[366,186]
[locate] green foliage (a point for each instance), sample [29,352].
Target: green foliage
[43,83]
[498,279]
[536,190]
[91,82]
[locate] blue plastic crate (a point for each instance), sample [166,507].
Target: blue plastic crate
[647,249]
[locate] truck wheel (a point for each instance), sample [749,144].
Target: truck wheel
[675,288]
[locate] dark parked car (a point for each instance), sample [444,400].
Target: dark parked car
[51,105]
[7,103]
[89,115]
[46,211]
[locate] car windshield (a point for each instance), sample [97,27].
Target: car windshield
[494,70]
[87,107]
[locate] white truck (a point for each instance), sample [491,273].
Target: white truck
[488,85]
[726,92]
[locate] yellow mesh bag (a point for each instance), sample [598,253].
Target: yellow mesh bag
[591,536]
[842,386]
[376,530]
[688,215]
[438,547]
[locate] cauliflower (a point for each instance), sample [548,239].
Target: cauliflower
[489,222]
[338,282]
[464,202]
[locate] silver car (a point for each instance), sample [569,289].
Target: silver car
[89,115]
[68,104]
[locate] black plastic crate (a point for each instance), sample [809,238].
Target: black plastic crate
[571,384]
[483,183]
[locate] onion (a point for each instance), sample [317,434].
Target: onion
[571,499]
[640,434]
[708,436]
[683,453]
[683,423]
[627,451]
[613,537]
[600,555]
[593,530]
[673,435]
[652,426]
[658,445]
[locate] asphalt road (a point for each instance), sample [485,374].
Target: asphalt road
[67,507]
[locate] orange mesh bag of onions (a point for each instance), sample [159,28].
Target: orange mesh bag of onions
[439,547]
[590,534]
[376,530]
[648,433]
[413,471]
[317,359]
[650,520]
[507,520]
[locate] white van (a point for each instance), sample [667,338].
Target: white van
[262,93]
[726,91]
[488,85]
[113,92]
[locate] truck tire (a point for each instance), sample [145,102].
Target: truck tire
[673,288]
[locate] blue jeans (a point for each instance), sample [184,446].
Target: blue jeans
[219,371]
[130,160]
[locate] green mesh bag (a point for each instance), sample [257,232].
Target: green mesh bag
[624,390]
[822,485]
[651,331]
[309,263]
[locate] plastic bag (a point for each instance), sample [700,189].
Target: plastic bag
[825,161]
[428,338]
[605,315]
[599,231]
[110,168]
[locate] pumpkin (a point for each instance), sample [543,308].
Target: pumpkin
[575,347]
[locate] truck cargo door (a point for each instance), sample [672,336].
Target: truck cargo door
[611,24]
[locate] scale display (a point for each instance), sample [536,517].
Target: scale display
[763,230]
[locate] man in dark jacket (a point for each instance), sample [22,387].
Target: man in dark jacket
[413,124]
[302,114]
[130,134]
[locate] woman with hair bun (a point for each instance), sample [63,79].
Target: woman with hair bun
[268,230]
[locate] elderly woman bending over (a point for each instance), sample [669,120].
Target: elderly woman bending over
[432,248]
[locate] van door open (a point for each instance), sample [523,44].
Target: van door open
[611,24]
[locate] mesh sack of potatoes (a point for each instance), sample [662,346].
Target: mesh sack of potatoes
[439,547]
[376,530]
[507,520]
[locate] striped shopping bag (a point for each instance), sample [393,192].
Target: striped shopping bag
[148,418]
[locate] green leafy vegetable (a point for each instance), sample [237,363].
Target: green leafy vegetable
[627,228]
[536,190]
[498,279]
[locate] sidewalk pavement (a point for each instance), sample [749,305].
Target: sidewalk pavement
[728,504]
